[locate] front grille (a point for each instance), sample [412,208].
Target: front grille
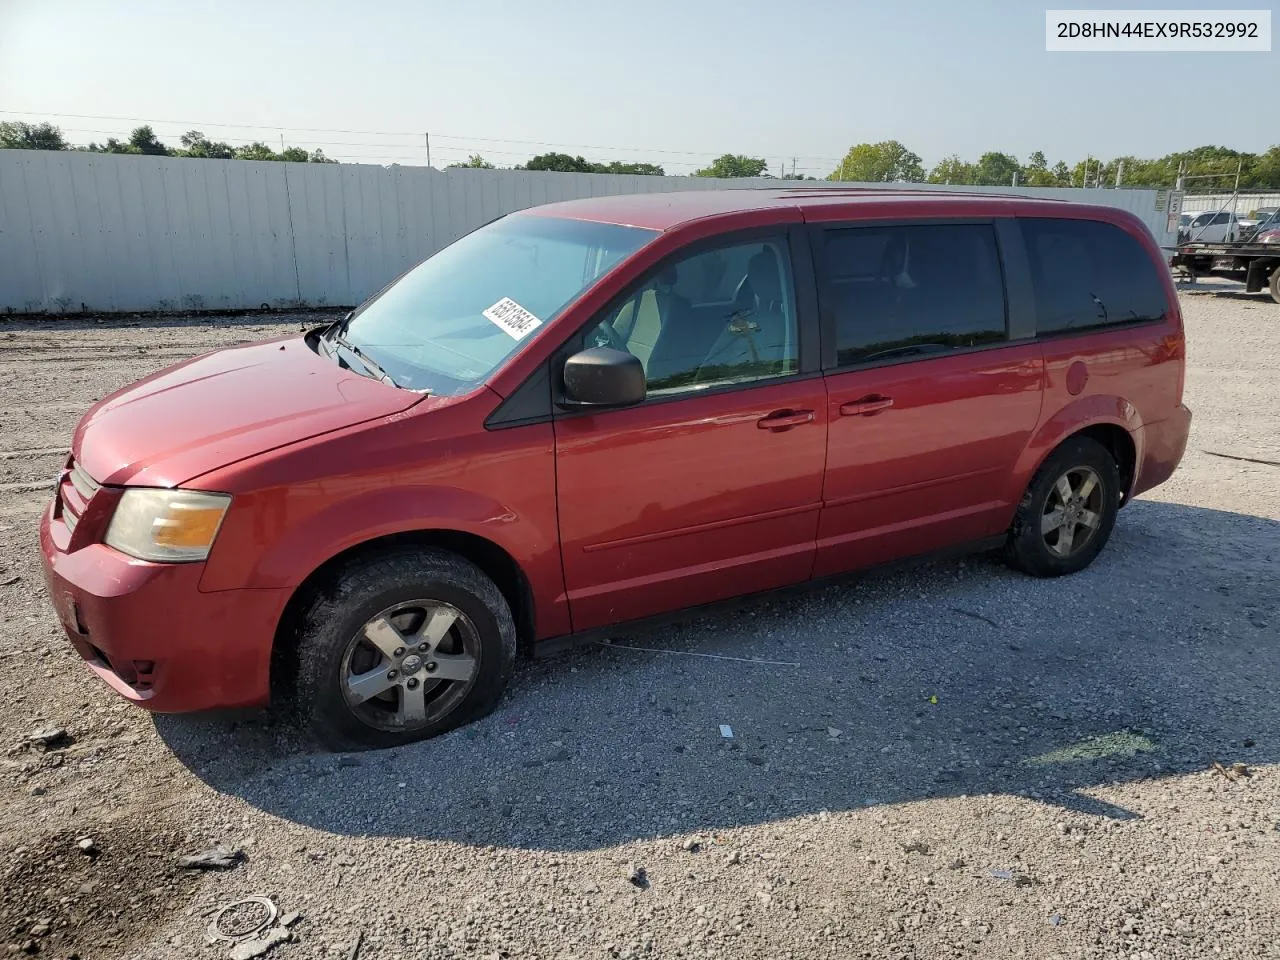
[75,492]
[85,485]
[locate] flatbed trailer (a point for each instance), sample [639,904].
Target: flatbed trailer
[1256,265]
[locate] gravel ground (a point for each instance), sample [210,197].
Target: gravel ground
[950,760]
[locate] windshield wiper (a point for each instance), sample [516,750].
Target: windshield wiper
[370,365]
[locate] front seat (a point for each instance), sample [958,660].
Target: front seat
[755,335]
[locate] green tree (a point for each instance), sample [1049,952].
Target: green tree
[195,144]
[1037,173]
[953,170]
[995,169]
[636,169]
[317,156]
[880,162]
[256,151]
[294,155]
[113,146]
[473,162]
[1266,170]
[143,140]
[561,163]
[31,136]
[731,165]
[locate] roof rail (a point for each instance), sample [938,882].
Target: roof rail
[794,192]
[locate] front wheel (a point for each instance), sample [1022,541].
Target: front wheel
[400,647]
[1274,285]
[1067,514]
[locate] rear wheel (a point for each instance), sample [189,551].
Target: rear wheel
[401,647]
[1274,285]
[1067,514]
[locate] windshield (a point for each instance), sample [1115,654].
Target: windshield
[453,319]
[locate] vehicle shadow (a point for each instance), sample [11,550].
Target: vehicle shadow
[953,678]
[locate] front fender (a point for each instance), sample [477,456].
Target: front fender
[1078,414]
[286,538]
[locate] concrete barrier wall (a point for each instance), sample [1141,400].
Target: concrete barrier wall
[105,232]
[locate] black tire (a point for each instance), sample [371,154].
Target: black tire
[1274,285]
[1032,550]
[336,617]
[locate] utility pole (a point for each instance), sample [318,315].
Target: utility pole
[1119,173]
[282,141]
[1235,199]
[793,168]
[426,139]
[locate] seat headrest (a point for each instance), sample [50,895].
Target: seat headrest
[766,279]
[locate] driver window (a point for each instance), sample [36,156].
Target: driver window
[724,315]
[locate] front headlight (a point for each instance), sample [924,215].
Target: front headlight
[167,526]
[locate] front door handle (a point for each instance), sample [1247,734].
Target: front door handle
[866,406]
[785,419]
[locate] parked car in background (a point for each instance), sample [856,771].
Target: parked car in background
[1263,219]
[1212,226]
[1257,216]
[601,411]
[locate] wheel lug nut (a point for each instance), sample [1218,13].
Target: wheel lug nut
[392,674]
[399,651]
[431,666]
[412,683]
[425,648]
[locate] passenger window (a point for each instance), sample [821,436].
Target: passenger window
[720,316]
[902,291]
[1087,274]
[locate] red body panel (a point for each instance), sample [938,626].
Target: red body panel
[222,407]
[611,516]
[205,650]
[933,469]
[686,502]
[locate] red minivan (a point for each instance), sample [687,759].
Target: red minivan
[605,410]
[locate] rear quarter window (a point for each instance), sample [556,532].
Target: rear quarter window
[1088,275]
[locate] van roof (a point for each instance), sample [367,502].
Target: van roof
[663,211]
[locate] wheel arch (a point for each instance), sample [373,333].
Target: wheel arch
[1120,444]
[492,560]
[1112,421]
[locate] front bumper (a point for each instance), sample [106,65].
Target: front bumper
[151,635]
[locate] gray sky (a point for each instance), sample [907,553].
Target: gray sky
[675,82]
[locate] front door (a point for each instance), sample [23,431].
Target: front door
[712,486]
[930,401]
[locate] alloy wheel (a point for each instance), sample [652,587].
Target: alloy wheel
[1072,511]
[410,665]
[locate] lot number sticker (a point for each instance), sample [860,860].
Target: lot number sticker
[513,318]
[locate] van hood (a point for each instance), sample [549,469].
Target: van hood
[222,407]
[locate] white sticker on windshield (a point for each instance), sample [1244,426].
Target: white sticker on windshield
[513,318]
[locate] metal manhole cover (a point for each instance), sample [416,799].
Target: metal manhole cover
[243,919]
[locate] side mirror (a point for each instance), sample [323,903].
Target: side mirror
[603,377]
